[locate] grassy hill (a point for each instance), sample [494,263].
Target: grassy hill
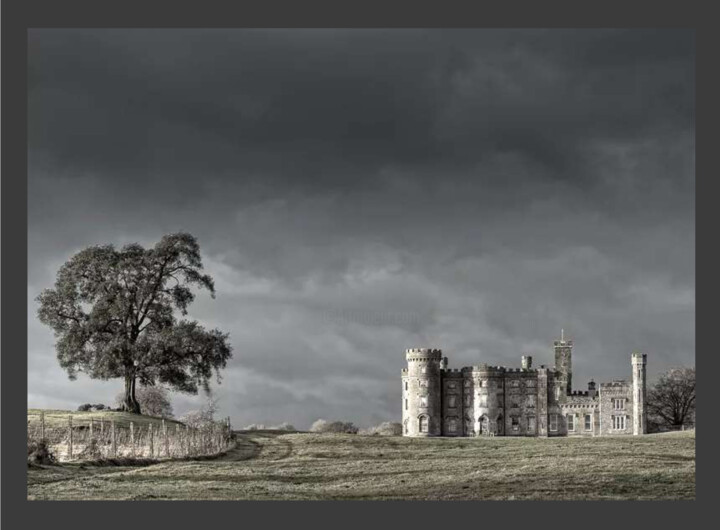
[59,418]
[303,466]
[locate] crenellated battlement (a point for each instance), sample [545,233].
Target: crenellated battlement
[615,383]
[423,354]
[579,393]
[424,351]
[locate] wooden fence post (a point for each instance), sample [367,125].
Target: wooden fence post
[152,448]
[112,436]
[132,439]
[177,440]
[186,440]
[42,425]
[70,438]
[165,438]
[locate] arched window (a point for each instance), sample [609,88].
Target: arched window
[452,425]
[500,424]
[423,424]
[484,424]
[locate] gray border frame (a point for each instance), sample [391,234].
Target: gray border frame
[22,14]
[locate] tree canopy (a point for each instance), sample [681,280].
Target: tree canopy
[114,316]
[671,401]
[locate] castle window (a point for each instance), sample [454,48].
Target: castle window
[452,425]
[467,400]
[531,401]
[406,385]
[407,430]
[423,401]
[515,423]
[515,383]
[618,404]
[618,423]
[452,401]
[530,383]
[514,406]
[588,422]
[571,422]
[531,424]
[423,383]
[467,383]
[482,383]
[424,369]
[483,401]
[423,424]
[406,404]
[553,422]
[451,384]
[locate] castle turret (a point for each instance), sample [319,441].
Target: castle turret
[639,362]
[422,395]
[563,363]
[592,389]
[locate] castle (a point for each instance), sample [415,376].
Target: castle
[526,401]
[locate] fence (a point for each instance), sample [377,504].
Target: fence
[71,438]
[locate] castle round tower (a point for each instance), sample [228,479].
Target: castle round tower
[422,395]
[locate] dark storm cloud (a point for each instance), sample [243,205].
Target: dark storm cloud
[356,192]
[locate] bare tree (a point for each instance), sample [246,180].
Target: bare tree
[671,401]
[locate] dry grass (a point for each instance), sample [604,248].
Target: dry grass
[302,466]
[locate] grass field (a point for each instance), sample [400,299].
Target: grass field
[301,466]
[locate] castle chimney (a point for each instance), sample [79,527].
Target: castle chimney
[526,362]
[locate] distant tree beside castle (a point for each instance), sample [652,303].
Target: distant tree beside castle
[671,401]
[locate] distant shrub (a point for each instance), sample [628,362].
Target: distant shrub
[153,400]
[386,428]
[321,426]
[84,407]
[99,406]
[39,453]
[284,426]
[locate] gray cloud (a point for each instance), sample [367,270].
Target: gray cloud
[357,192]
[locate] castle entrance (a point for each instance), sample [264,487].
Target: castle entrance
[484,425]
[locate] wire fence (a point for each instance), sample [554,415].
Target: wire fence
[70,438]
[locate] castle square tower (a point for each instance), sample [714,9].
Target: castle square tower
[563,363]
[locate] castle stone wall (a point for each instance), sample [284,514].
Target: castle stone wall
[499,401]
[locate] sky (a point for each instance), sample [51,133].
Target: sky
[359,192]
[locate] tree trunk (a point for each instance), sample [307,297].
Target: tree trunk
[130,404]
